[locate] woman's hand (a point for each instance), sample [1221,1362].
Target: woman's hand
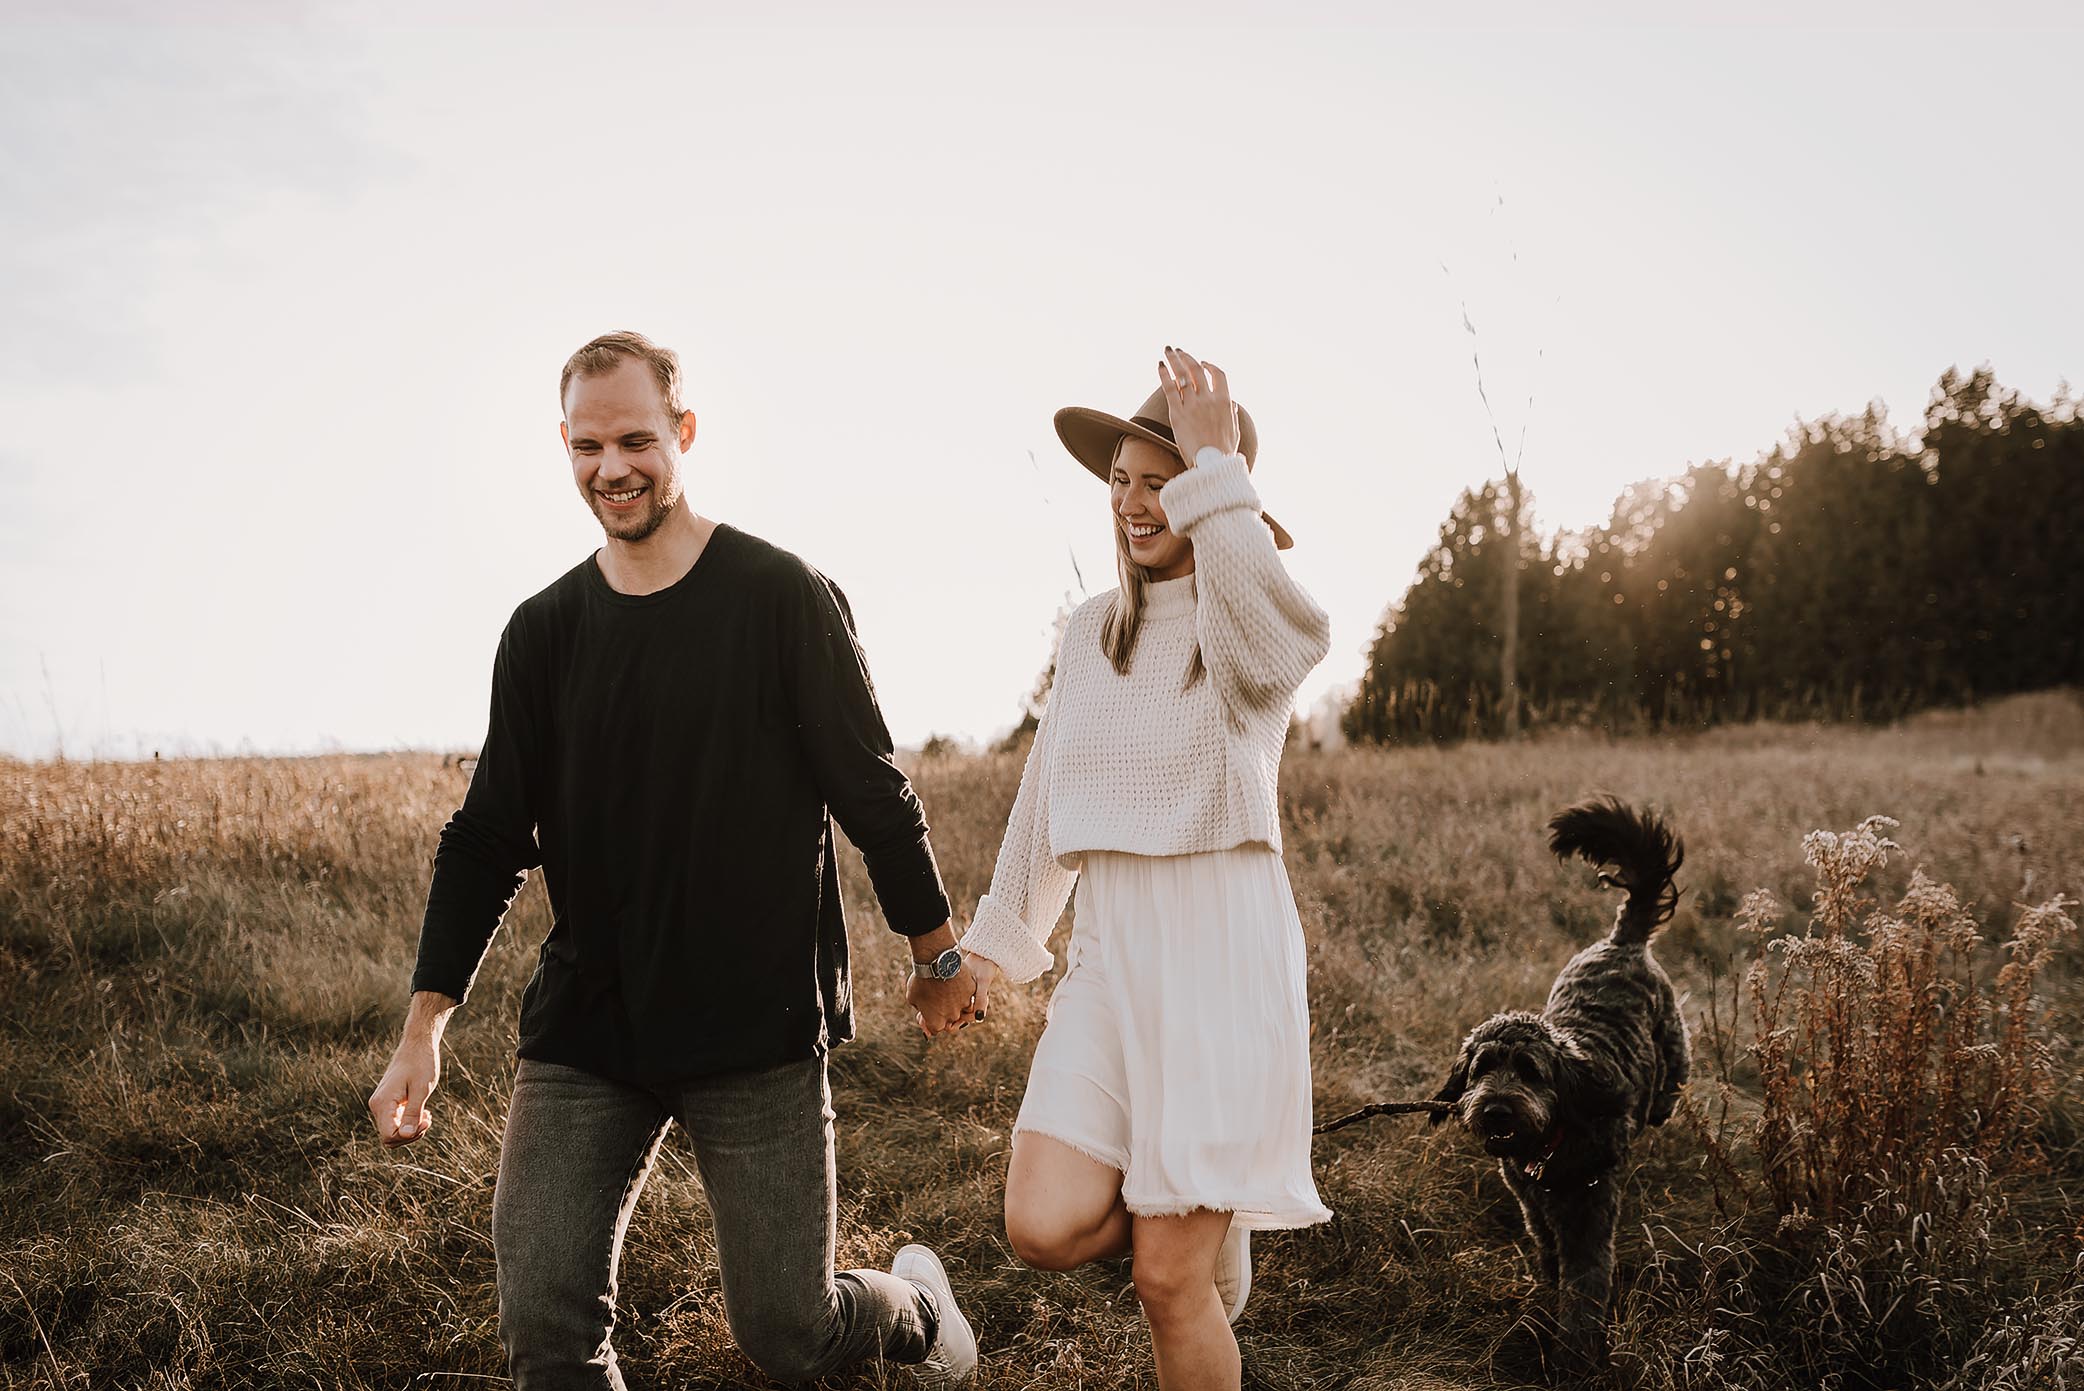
[986,972]
[1197,396]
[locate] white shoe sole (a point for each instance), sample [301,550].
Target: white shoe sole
[953,1358]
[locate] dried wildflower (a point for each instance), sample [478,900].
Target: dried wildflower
[1759,913]
[1886,1063]
[1797,1221]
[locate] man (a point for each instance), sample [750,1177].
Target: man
[674,724]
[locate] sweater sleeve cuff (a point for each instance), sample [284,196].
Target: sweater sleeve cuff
[999,935]
[1216,483]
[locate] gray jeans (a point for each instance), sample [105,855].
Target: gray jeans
[576,1153]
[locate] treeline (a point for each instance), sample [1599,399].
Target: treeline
[1852,573]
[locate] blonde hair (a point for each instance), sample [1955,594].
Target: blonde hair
[1124,618]
[605,353]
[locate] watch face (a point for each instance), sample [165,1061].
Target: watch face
[948,964]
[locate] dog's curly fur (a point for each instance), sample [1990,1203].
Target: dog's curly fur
[1558,1096]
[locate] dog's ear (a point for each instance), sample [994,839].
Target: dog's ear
[1451,1090]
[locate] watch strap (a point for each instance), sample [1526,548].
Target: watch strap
[945,966]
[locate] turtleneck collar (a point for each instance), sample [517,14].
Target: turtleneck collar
[1169,598]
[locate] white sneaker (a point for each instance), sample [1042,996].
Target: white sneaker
[1234,1271]
[953,1358]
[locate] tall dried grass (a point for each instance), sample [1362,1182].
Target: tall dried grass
[1885,1054]
[1899,1077]
[202,967]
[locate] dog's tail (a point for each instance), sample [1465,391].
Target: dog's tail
[1643,851]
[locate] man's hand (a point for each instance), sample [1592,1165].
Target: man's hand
[982,973]
[943,1006]
[399,1103]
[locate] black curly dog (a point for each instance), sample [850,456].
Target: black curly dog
[1558,1096]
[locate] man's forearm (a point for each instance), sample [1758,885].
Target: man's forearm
[928,945]
[428,1016]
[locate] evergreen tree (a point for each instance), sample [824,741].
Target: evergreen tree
[1848,573]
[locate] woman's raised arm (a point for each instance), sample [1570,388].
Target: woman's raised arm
[1260,631]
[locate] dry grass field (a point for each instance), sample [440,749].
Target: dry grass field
[203,966]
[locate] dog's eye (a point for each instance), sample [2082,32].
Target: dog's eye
[1484,1063]
[1529,1067]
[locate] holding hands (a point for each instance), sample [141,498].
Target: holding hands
[1197,395]
[943,1006]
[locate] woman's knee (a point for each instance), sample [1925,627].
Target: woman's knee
[1169,1288]
[1175,1269]
[1046,1241]
[1063,1207]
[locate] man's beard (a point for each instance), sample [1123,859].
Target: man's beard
[634,529]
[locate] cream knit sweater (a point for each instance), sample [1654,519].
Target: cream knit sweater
[1138,764]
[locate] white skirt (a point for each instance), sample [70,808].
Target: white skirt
[1177,1048]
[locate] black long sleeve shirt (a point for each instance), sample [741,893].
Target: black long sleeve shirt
[673,761]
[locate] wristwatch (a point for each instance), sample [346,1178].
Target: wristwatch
[943,967]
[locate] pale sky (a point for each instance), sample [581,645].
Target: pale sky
[286,291]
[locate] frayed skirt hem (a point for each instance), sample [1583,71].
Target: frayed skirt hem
[1099,1155]
[1250,1212]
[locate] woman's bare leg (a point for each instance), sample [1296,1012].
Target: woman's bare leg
[1176,1284]
[1063,1207]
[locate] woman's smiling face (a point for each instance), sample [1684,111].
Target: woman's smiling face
[1141,470]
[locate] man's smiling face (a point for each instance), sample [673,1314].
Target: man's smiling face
[625,448]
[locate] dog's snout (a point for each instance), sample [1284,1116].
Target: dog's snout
[1495,1115]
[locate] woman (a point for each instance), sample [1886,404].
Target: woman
[1168,1108]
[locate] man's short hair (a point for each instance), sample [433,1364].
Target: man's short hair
[603,354]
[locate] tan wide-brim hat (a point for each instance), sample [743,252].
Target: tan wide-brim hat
[1091,437]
